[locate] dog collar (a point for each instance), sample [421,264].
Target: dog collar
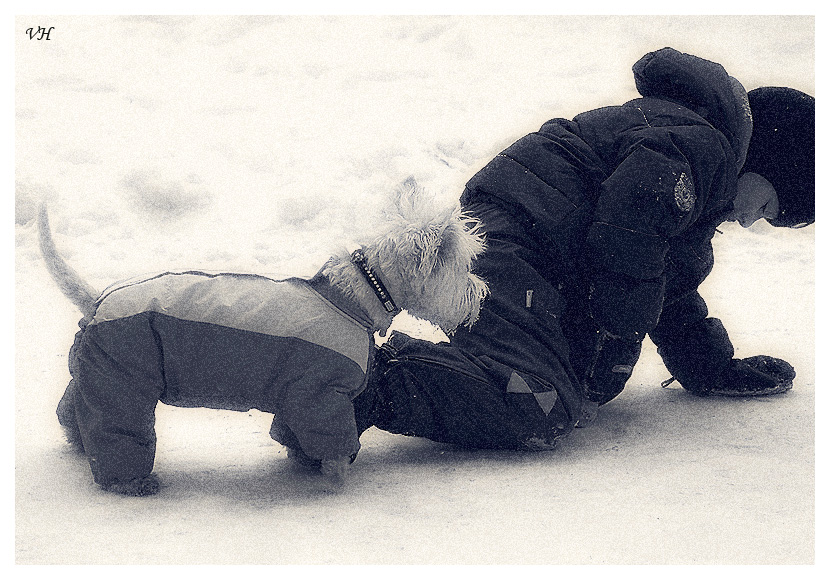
[359,260]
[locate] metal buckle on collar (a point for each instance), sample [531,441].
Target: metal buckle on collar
[359,260]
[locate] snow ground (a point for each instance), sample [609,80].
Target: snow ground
[259,144]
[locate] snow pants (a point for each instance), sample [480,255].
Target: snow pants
[509,382]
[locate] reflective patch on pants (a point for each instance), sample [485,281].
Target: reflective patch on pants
[545,399]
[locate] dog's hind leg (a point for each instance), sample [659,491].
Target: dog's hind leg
[298,457]
[67,420]
[138,487]
[66,407]
[119,379]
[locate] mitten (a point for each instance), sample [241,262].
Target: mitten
[753,376]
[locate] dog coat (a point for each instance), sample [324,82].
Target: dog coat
[296,348]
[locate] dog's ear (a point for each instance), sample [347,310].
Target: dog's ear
[411,204]
[415,224]
[461,239]
[448,240]
[406,195]
[438,234]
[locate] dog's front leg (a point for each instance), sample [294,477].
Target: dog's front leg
[335,472]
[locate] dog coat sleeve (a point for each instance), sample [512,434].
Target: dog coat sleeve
[315,404]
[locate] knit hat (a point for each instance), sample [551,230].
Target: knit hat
[783,150]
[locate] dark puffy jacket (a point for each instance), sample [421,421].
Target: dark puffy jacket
[597,227]
[620,204]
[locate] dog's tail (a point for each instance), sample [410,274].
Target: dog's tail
[68,280]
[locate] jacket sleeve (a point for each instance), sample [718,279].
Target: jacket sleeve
[649,198]
[695,348]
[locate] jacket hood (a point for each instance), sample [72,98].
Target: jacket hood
[701,86]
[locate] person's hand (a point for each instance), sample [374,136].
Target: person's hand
[753,376]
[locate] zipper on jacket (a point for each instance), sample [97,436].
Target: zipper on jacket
[479,379]
[439,364]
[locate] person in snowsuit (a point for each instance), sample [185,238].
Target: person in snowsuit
[599,233]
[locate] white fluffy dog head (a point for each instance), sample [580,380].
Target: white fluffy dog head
[426,256]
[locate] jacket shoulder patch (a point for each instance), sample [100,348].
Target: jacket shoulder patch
[684,193]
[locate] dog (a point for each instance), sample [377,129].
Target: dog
[299,348]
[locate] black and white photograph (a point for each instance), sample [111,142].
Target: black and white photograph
[414,289]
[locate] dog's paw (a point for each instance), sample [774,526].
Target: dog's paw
[138,487]
[300,459]
[335,472]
